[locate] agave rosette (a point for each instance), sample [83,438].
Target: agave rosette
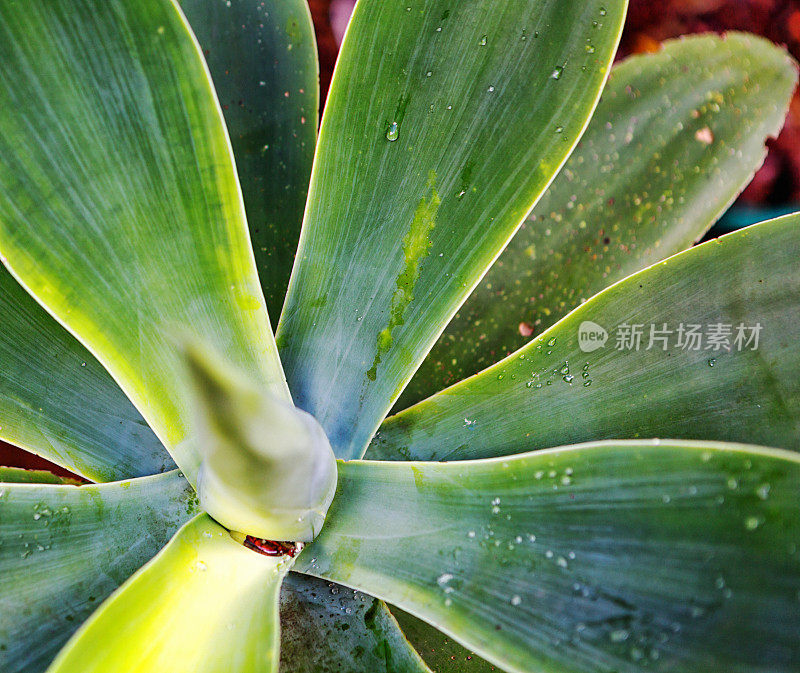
[528,517]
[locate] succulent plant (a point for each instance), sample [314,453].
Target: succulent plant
[597,498]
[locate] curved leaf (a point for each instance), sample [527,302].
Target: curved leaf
[614,556]
[263,60]
[57,401]
[736,379]
[119,205]
[327,627]
[204,604]
[675,137]
[445,122]
[63,549]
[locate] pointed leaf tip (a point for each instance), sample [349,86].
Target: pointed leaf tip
[268,469]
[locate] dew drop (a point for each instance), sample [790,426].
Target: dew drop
[515,600]
[483,41]
[443,581]
[393,132]
[557,72]
[752,522]
[618,635]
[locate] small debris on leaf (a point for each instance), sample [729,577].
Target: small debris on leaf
[272,547]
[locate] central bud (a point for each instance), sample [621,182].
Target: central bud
[268,469]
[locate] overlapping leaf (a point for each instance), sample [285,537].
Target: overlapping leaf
[204,604]
[700,346]
[57,401]
[18,475]
[263,60]
[119,205]
[613,556]
[445,122]
[63,549]
[439,651]
[675,137]
[328,627]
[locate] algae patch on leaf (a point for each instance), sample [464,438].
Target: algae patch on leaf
[416,247]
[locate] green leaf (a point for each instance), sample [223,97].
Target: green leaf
[268,469]
[263,60]
[18,475]
[445,122]
[613,556]
[552,392]
[63,549]
[676,136]
[327,627]
[58,402]
[440,652]
[204,604]
[120,210]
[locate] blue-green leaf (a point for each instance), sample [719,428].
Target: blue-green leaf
[63,549]
[676,135]
[58,402]
[613,556]
[120,210]
[263,60]
[204,604]
[700,346]
[445,122]
[328,627]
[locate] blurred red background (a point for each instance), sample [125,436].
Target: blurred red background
[775,188]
